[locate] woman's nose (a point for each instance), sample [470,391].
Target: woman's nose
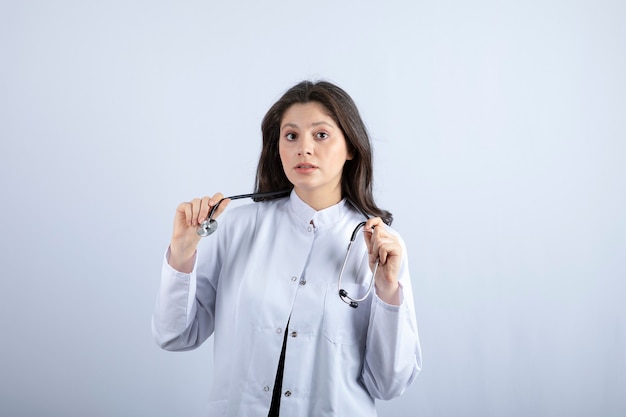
[306,146]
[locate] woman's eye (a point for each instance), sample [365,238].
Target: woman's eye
[322,135]
[290,136]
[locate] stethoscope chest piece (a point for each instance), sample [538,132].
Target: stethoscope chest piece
[207,227]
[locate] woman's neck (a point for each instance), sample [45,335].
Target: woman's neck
[319,200]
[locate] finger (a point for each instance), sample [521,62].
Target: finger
[223,203]
[189,213]
[219,201]
[375,249]
[367,236]
[368,232]
[216,198]
[385,244]
[195,210]
[206,206]
[382,254]
[377,235]
[183,213]
[390,247]
[372,223]
[204,209]
[379,250]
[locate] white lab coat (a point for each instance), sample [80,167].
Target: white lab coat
[274,262]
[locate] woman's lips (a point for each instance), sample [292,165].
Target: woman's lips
[305,167]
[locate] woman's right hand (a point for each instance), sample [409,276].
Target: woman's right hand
[185,239]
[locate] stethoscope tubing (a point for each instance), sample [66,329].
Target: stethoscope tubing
[343,294]
[240,196]
[209,225]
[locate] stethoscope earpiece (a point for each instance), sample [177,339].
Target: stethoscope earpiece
[343,294]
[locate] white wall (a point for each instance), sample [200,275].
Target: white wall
[499,132]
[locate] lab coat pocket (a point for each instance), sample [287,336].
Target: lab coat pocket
[343,324]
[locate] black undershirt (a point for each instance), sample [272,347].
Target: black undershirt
[278,384]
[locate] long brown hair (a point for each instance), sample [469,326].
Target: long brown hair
[356,179]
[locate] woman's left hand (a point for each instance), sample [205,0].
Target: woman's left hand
[385,248]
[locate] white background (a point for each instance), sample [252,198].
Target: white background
[500,144]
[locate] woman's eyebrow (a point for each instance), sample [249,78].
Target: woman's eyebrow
[291,125]
[314,124]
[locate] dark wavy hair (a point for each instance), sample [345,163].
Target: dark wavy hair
[356,179]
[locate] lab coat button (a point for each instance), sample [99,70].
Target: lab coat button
[266,388]
[279,330]
[294,334]
[287,393]
[303,282]
[309,229]
[294,278]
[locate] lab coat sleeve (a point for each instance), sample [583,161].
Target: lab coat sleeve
[180,321]
[393,355]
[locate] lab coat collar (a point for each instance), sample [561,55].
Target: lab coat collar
[307,214]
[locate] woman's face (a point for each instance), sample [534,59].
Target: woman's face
[313,152]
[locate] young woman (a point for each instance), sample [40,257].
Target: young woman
[267,283]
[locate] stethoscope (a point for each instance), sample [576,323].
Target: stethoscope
[209,226]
